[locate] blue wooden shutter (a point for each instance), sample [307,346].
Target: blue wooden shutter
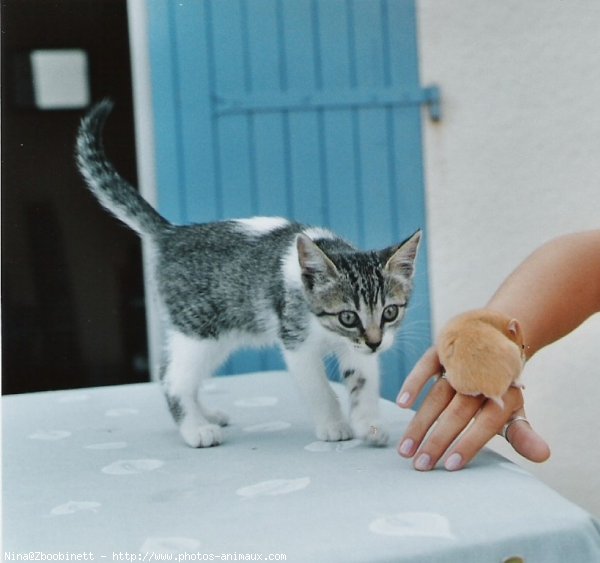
[309,109]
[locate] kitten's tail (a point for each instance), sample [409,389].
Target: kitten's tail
[111,190]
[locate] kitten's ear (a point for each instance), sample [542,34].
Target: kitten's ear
[402,260]
[313,261]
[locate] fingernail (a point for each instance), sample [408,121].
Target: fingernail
[406,447]
[453,462]
[423,462]
[403,398]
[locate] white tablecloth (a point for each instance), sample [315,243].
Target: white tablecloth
[103,473]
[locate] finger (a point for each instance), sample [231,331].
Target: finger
[526,441]
[428,366]
[488,423]
[453,420]
[440,394]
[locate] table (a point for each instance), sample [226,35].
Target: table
[102,473]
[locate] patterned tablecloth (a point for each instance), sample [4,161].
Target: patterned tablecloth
[101,474]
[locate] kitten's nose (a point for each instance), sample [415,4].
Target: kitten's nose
[373,344]
[373,337]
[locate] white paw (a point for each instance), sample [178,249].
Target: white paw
[203,436]
[334,431]
[374,433]
[217,417]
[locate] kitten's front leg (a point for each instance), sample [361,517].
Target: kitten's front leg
[361,376]
[306,366]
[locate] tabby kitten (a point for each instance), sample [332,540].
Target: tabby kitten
[256,282]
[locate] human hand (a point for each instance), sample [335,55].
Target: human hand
[452,413]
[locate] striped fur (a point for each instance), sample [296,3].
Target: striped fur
[261,281]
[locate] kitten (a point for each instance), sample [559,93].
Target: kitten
[482,352]
[256,282]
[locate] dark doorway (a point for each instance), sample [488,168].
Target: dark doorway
[72,285]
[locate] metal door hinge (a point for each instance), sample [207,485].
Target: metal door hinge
[432,98]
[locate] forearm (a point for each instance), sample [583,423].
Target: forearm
[554,290]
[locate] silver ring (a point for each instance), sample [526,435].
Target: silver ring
[442,376]
[510,423]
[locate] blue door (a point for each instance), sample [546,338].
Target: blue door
[308,109]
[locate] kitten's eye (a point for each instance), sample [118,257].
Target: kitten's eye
[349,319]
[390,313]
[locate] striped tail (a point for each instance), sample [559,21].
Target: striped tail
[111,190]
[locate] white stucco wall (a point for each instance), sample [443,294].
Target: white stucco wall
[514,162]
